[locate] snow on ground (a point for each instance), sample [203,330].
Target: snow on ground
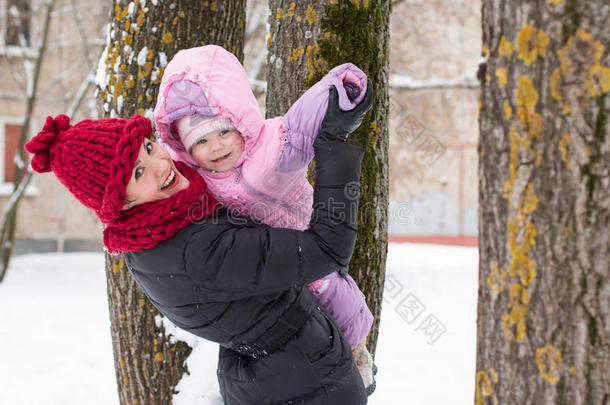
[55,343]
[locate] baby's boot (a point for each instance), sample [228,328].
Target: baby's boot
[366,367]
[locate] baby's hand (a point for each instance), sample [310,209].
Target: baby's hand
[351,89]
[338,124]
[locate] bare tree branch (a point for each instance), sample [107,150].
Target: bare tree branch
[82,34]
[21,177]
[408,83]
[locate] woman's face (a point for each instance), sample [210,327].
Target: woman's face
[154,176]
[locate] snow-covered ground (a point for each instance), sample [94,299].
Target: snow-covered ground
[55,343]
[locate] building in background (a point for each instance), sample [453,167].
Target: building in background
[49,218]
[435,50]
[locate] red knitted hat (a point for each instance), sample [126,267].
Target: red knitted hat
[94,159]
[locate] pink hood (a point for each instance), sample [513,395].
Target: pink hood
[206,80]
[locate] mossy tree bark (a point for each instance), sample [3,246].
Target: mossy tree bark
[544,197]
[305,42]
[141,40]
[292,51]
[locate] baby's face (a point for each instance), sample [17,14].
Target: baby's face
[219,150]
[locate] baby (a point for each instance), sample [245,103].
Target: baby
[207,116]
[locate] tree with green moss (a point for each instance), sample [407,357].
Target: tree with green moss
[307,39]
[142,38]
[544,204]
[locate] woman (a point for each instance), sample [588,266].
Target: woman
[225,279]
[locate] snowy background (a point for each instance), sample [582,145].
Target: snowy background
[55,345]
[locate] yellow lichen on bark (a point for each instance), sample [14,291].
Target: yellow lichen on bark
[556,86]
[118,88]
[497,280]
[580,71]
[168,38]
[508,111]
[120,13]
[501,76]
[513,227]
[374,129]
[315,62]
[485,51]
[523,267]
[598,80]
[529,236]
[116,267]
[140,19]
[296,54]
[159,357]
[291,9]
[144,70]
[505,48]
[483,387]
[556,2]
[521,232]
[279,13]
[129,83]
[310,15]
[550,363]
[563,148]
[513,323]
[518,144]
[531,121]
[531,43]
[529,200]
[527,98]
[527,95]
[493,374]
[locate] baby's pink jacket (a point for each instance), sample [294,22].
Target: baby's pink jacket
[268,183]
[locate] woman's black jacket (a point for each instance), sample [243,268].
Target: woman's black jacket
[241,284]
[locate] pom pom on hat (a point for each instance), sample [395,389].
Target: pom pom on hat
[40,146]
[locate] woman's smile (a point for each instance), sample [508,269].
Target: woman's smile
[170,181]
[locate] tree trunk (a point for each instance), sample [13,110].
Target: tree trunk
[292,51]
[305,42]
[140,43]
[544,290]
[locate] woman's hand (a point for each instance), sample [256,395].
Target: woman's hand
[338,124]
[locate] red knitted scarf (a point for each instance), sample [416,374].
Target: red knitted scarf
[145,225]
